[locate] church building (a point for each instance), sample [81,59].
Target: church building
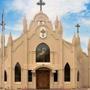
[41,59]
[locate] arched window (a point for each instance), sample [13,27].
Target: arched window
[78,76]
[42,53]
[67,73]
[17,73]
[5,76]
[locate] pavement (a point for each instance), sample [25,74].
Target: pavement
[60,89]
[50,89]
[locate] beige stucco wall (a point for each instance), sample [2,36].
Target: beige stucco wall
[23,49]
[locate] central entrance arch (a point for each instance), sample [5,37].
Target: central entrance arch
[43,78]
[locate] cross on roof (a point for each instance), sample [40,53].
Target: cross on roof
[2,22]
[41,3]
[78,26]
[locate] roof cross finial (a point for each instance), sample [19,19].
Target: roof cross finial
[41,3]
[78,26]
[2,22]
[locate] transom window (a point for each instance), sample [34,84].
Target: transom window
[42,53]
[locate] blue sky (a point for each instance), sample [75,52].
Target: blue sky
[70,13]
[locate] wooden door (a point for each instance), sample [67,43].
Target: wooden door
[43,79]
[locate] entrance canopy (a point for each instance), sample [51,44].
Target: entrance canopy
[43,66]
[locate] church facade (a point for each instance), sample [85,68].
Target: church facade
[41,59]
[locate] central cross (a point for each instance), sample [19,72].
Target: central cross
[78,26]
[41,3]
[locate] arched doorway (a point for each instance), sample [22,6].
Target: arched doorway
[43,78]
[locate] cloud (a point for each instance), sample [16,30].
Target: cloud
[85,22]
[52,7]
[84,43]
[16,27]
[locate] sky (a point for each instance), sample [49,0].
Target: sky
[70,12]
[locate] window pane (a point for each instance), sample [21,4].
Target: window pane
[67,73]
[78,76]
[5,76]
[56,76]
[29,75]
[17,73]
[42,53]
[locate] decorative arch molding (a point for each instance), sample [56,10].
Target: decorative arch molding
[50,45]
[68,64]
[43,66]
[17,72]
[67,72]
[42,43]
[17,63]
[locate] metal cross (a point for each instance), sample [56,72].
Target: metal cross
[2,22]
[78,26]
[41,3]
